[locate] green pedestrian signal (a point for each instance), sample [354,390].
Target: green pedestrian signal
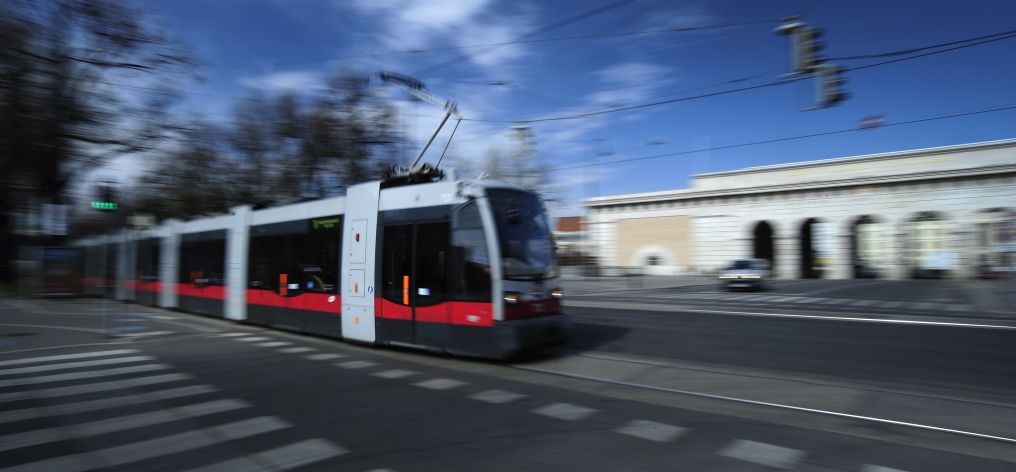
[104,205]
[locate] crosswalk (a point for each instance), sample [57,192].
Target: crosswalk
[105,396]
[743,450]
[787,300]
[69,412]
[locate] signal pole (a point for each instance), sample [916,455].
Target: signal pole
[105,204]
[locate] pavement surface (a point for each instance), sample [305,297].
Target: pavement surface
[638,389]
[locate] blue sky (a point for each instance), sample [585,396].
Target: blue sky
[274,45]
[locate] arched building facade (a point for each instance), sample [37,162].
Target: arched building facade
[938,212]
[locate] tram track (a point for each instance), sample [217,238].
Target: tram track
[871,419]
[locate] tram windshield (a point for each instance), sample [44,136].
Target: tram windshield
[527,251]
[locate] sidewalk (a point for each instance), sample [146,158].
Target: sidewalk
[575,284]
[992,296]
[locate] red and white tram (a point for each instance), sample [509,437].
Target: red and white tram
[422,259]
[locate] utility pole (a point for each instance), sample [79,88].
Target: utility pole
[804,49]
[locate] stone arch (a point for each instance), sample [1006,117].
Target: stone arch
[814,248]
[764,242]
[928,245]
[994,243]
[870,247]
[653,255]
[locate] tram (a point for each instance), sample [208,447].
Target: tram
[418,259]
[462,266]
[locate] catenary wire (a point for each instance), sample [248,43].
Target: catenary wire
[524,36]
[525,41]
[792,138]
[742,89]
[913,50]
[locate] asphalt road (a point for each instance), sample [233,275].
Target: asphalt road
[707,325]
[182,392]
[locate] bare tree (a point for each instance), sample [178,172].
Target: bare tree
[522,165]
[62,111]
[277,149]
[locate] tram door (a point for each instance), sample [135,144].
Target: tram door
[414,283]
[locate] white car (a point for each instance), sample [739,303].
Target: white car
[747,274]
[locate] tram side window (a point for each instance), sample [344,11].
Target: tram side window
[203,262]
[148,260]
[309,261]
[318,261]
[395,260]
[267,257]
[469,260]
[431,255]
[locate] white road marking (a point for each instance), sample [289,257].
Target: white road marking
[356,364]
[148,333]
[670,309]
[74,365]
[153,448]
[394,374]
[191,440]
[652,430]
[84,375]
[565,411]
[102,403]
[283,458]
[295,350]
[253,339]
[784,299]
[301,454]
[875,468]
[751,298]
[497,396]
[274,344]
[121,423]
[92,388]
[863,302]
[62,357]
[323,357]
[440,384]
[763,454]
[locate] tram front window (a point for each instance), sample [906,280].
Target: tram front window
[523,234]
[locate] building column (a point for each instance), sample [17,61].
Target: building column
[896,239]
[787,248]
[841,261]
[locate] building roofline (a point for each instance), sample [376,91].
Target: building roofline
[692,192]
[865,158]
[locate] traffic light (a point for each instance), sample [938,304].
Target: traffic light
[804,45]
[107,199]
[809,48]
[829,86]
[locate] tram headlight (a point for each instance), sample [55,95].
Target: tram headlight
[557,294]
[512,298]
